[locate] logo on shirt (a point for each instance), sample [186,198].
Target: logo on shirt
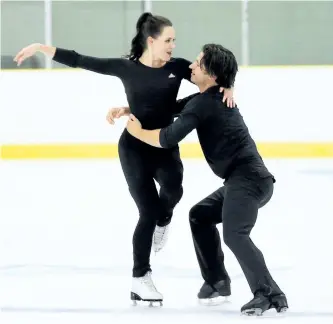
[171,76]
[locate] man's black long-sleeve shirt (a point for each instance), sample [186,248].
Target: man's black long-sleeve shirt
[151,92]
[222,133]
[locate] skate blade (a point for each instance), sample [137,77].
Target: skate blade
[282,310]
[136,299]
[147,303]
[260,312]
[215,301]
[253,312]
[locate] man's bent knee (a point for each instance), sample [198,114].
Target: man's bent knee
[195,214]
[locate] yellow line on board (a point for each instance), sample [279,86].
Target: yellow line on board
[188,150]
[59,151]
[296,150]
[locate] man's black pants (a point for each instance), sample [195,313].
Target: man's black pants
[235,204]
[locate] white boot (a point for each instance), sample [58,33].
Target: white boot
[160,237]
[143,289]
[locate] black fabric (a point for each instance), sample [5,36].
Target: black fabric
[236,205]
[142,164]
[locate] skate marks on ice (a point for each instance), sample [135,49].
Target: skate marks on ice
[39,294]
[165,310]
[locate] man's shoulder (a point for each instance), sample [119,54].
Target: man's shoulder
[198,100]
[213,99]
[203,102]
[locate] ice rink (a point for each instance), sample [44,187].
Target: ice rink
[66,245]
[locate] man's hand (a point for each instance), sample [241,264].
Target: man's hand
[134,126]
[229,96]
[114,113]
[150,137]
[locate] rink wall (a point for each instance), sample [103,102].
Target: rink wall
[61,113]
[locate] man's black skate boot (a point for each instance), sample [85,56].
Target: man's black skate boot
[221,288]
[207,291]
[279,302]
[261,303]
[258,305]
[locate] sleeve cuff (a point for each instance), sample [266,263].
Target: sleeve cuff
[163,138]
[65,57]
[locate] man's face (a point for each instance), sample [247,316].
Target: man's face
[198,76]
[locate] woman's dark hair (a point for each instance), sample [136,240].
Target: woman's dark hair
[147,25]
[220,62]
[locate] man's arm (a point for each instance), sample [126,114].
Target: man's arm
[150,137]
[181,103]
[169,136]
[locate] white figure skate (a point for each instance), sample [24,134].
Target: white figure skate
[160,237]
[143,289]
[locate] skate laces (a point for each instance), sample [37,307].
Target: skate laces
[147,280]
[160,237]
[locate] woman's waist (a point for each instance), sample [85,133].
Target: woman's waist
[128,140]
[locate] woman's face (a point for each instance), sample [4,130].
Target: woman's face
[163,45]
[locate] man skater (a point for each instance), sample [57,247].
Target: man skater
[233,156]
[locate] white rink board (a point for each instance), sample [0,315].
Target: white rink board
[279,104]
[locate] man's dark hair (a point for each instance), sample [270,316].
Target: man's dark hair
[147,25]
[220,62]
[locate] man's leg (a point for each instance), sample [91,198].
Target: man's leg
[242,199]
[204,217]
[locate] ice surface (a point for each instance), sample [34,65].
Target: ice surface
[66,245]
